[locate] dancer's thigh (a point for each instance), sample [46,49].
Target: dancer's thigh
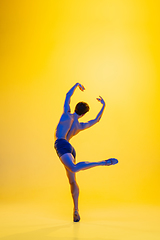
[68,160]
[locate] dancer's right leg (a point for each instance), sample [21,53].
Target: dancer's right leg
[68,160]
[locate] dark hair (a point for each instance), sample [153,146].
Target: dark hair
[81,108]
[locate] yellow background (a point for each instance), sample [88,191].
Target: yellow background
[112,48]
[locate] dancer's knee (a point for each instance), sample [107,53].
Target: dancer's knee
[73,169]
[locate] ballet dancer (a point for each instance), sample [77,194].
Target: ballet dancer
[68,127]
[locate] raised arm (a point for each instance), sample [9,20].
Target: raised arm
[68,96]
[98,117]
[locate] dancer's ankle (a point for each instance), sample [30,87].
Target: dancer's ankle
[76,209]
[103,163]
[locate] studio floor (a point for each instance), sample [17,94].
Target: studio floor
[29,221]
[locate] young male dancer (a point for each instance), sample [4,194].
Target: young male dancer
[67,127]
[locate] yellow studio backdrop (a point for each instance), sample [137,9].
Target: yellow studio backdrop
[112,48]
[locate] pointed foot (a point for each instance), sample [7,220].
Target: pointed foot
[111,161]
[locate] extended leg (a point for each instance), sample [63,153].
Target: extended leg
[68,160]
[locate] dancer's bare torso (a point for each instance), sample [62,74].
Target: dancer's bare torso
[68,126]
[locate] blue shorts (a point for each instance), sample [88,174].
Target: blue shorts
[62,146]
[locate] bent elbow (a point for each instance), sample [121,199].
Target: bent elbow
[68,94]
[98,119]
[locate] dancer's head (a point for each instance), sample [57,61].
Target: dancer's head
[81,108]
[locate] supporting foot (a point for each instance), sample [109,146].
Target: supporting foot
[76,217]
[111,161]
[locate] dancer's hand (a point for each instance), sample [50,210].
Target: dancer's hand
[100,99]
[81,87]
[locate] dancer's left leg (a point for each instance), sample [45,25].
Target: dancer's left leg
[75,193]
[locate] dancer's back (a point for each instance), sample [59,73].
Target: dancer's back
[68,126]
